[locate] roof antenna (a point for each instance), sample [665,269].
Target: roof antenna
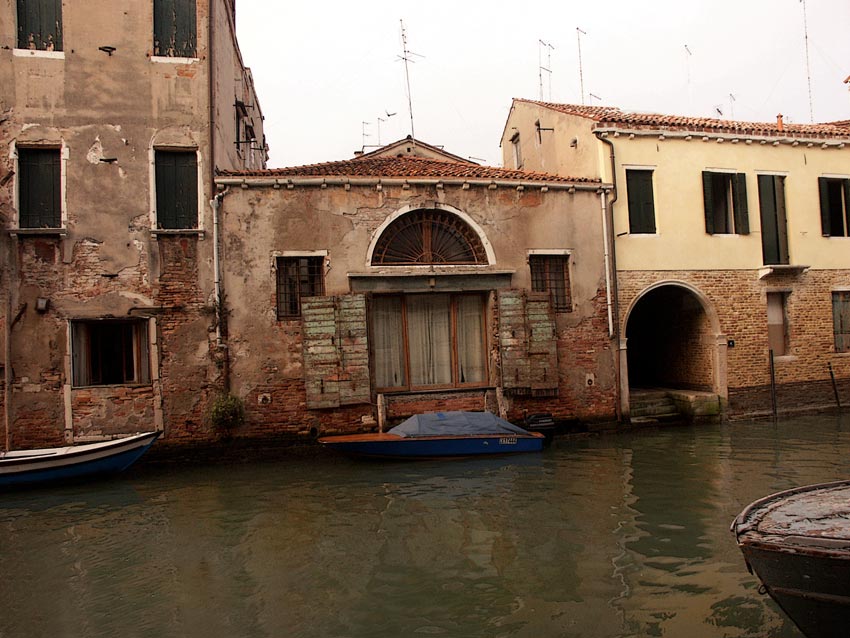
[808,70]
[547,68]
[579,33]
[731,107]
[363,133]
[406,58]
[688,55]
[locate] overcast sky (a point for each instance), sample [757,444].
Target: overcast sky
[322,68]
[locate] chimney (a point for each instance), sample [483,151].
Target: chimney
[779,124]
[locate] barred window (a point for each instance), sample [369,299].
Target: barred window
[298,277]
[551,273]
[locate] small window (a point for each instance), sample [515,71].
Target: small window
[39,188]
[40,25]
[298,277]
[517,148]
[641,201]
[725,199]
[110,352]
[176,190]
[551,273]
[174,28]
[841,320]
[835,206]
[777,324]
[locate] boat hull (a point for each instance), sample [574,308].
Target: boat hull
[395,447]
[29,467]
[797,543]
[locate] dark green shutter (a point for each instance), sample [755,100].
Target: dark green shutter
[708,202]
[739,201]
[846,207]
[767,209]
[39,188]
[176,190]
[41,21]
[175,28]
[641,201]
[823,189]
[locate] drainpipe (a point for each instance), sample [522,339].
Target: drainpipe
[610,242]
[7,330]
[221,347]
[211,81]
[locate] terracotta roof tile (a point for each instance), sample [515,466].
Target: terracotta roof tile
[609,115]
[406,167]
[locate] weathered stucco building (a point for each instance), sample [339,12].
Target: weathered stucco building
[732,242]
[374,288]
[114,118]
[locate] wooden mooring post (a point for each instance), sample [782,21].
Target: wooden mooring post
[834,385]
[773,385]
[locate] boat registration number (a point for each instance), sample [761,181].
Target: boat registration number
[507,440]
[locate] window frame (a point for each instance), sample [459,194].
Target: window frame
[89,348]
[541,281]
[58,182]
[828,214]
[841,321]
[57,45]
[638,203]
[181,54]
[315,264]
[780,305]
[517,151]
[158,188]
[455,383]
[734,187]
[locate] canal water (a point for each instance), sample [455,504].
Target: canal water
[608,536]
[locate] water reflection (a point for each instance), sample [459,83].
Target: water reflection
[612,536]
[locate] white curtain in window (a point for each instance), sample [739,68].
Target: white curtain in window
[429,339]
[470,339]
[388,342]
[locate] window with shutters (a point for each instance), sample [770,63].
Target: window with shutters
[428,341]
[841,320]
[176,190]
[777,323]
[107,352]
[39,188]
[174,28]
[551,274]
[725,200]
[298,277]
[772,212]
[40,25]
[834,206]
[641,201]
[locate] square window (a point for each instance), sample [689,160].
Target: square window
[107,352]
[40,25]
[551,273]
[298,277]
[39,188]
[175,28]
[641,201]
[176,189]
[725,199]
[835,206]
[841,320]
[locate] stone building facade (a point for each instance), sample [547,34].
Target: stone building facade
[731,243]
[114,118]
[362,291]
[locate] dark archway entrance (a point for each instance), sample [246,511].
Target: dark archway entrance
[670,341]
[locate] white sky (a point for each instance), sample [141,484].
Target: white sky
[324,67]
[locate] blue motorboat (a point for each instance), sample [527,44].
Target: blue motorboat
[441,434]
[25,467]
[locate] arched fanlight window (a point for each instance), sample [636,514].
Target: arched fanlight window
[428,236]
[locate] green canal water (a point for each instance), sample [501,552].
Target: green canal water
[609,536]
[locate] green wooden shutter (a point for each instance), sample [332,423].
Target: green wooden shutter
[175,28]
[739,201]
[40,24]
[823,189]
[846,207]
[708,202]
[176,190]
[513,340]
[641,201]
[39,188]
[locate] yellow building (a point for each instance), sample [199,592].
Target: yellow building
[731,247]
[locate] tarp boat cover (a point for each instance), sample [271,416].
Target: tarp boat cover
[455,423]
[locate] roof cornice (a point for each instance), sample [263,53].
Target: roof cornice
[612,131]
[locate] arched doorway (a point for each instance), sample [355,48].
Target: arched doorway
[674,342]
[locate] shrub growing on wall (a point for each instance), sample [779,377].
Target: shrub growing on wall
[227,412]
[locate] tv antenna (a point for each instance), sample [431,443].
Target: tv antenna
[688,56]
[406,58]
[547,68]
[808,69]
[593,96]
[363,132]
[731,106]
[579,33]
